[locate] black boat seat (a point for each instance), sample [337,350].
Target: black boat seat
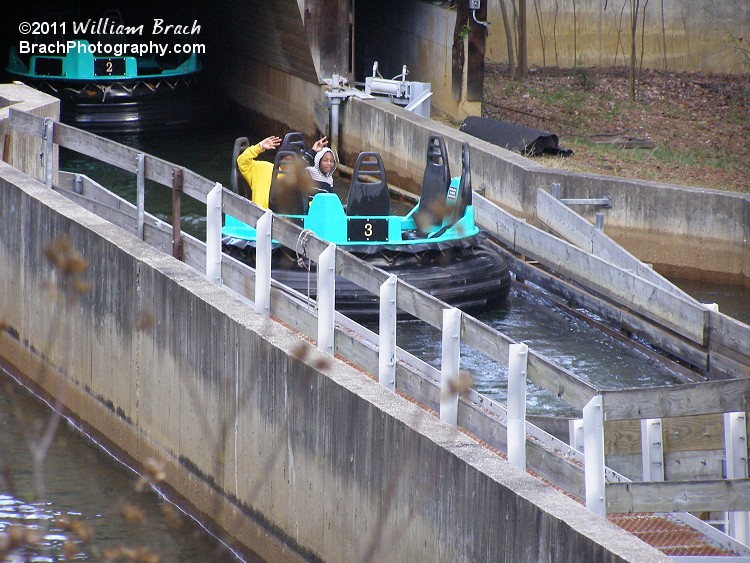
[294,142]
[368,195]
[458,198]
[435,182]
[463,197]
[287,194]
[237,182]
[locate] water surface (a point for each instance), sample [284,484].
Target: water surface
[85,484]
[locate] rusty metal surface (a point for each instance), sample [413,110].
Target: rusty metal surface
[666,535]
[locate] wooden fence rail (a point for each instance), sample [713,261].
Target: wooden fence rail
[679,496]
[576,229]
[111,152]
[624,287]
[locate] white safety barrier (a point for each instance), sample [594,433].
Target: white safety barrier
[517,366]
[387,334]
[263,263]
[735,444]
[140,194]
[652,449]
[327,299]
[593,450]
[449,366]
[213,234]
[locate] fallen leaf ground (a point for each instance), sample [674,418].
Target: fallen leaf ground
[698,124]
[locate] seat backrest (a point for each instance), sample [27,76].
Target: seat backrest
[435,182]
[287,194]
[293,141]
[369,195]
[463,197]
[237,182]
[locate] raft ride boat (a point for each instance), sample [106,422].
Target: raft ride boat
[436,246]
[102,92]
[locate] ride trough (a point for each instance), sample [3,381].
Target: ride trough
[436,246]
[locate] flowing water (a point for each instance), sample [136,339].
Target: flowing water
[86,483]
[571,342]
[88,487]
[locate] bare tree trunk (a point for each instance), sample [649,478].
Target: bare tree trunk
[634,6]
[522,70]
[542,37]
[508,40]
[575,36]
[664,43]
[554,34]
[619,36]
[643,41]
[458,53]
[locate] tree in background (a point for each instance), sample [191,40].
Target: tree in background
[522,68]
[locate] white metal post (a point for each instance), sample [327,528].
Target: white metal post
[213,234]
[326,298]
[652,449]
[47,150]
[593,451]
[140,195]
[387,336]
[517,365]
[575,434]
[263,263]
[449,366]
[735,444]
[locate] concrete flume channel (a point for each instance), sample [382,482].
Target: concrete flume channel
[386,110]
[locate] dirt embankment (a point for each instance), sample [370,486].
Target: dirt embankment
[692,129]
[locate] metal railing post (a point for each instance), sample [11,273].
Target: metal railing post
[177,178]
[140,194]
[652,449]
[449,366]
[48,135]
[387,334]
[600,220]
[326,298]
[263,263]
[575,434]
[517,365]
[735,445]
[593,451]
[213,234]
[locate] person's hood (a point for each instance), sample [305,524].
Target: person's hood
[321,153]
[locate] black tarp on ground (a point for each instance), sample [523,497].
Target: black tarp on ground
[524,140]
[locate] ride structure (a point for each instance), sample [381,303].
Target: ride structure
[436,246]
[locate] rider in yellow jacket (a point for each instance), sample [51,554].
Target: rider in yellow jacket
[258,173]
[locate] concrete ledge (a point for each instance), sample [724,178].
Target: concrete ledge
[23,151]
[305,446]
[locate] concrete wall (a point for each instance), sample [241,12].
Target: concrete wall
[700,35]
[266,441]
[693,232]
[419,35]
[22,151]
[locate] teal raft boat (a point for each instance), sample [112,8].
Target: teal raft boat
[436,246]
[105,91]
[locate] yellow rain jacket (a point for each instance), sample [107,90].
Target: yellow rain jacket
[257,174]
